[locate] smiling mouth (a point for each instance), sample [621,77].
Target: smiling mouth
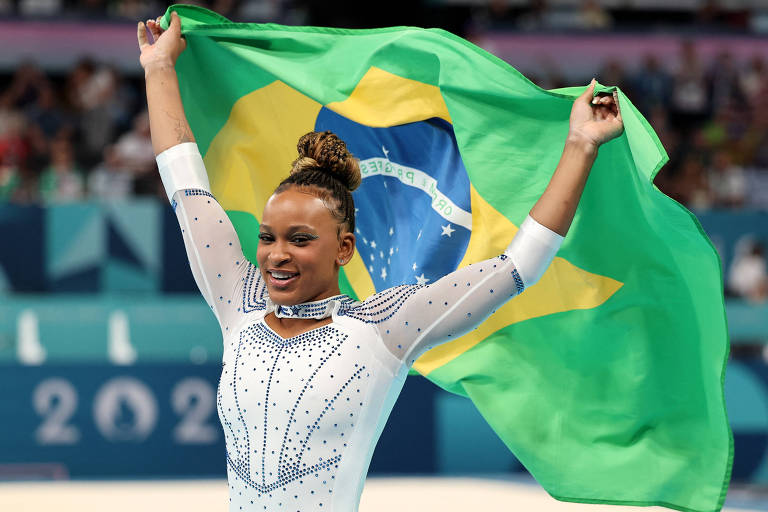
[282,275]
[280,278]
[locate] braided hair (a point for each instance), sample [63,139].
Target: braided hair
[327,170]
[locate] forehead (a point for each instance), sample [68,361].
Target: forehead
[292,207]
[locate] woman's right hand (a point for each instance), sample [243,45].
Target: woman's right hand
[167,45]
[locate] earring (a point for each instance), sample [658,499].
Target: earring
[341,261]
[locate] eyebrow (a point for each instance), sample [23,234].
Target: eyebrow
[293,227]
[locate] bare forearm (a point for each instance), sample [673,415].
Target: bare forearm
[167,121]
[557,205]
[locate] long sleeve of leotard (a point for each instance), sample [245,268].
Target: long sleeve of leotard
[213,248]
[413,318]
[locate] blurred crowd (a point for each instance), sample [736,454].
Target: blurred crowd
[84,135]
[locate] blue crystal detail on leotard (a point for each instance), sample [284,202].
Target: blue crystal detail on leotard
[267,466]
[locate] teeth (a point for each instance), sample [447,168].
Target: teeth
[281,275]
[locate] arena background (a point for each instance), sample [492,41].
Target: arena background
[109,359]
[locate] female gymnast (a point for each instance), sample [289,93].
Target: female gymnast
[309,375]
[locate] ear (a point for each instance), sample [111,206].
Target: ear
[346,248]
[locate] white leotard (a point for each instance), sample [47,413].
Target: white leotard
[302,415]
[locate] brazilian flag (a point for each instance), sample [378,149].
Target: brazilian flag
[605,379]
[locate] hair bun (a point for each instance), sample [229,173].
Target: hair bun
[324,151]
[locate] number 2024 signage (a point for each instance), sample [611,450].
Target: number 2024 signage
[93,421]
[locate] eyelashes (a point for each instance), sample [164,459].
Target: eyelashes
[298,238]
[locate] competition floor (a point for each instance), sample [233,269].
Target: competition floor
[380,495]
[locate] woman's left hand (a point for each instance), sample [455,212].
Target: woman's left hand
[595,120]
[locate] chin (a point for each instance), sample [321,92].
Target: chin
[286,297]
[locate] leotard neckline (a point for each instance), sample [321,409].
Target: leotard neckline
[318,309]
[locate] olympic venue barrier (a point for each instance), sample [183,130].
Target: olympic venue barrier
[159,420]
[109,362]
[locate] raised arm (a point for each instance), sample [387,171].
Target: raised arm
[213,248]
[167,121]
[593,122]
[412,318]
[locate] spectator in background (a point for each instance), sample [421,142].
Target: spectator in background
[727,181]
[135,9]
[716,131]
[752,80]
[24,88]
[13,153]
[691,187]
[748,275]
[110,180]
[589,15]
[133,153]
[550,76]
[709,15]
[594,17]
[613,73]
[723,79]
[62,181]
[45,114]
[539,16]
[13,146]
[10,180]
[103,109]
[651,86]
[91,9]
[756,140]
[659,119]
[689,94]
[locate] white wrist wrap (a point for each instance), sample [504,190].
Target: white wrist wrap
[181,167]
[533,249]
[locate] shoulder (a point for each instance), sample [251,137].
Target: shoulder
[380,306]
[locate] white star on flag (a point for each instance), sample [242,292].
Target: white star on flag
[415,266]
[373,244]
[419,235]
[381,254]
[365,241]
[421,279]
[391,251]
[372,257]
[447,230]
[391,231]
[383,273]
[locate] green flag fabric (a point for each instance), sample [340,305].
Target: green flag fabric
[605,379]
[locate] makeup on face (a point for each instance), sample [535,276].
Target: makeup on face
[298,248]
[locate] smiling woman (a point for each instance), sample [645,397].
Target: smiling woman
[308,224]
[309,375]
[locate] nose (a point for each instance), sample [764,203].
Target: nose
[278,254]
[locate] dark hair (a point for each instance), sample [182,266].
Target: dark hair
[327,170]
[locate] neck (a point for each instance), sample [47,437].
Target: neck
[328,293]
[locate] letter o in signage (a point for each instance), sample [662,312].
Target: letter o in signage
[124,409]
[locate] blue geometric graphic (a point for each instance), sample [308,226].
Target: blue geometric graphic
[413,208]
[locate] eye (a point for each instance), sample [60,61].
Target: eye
[302,238]
[265,237]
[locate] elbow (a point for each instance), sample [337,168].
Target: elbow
[532,250]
